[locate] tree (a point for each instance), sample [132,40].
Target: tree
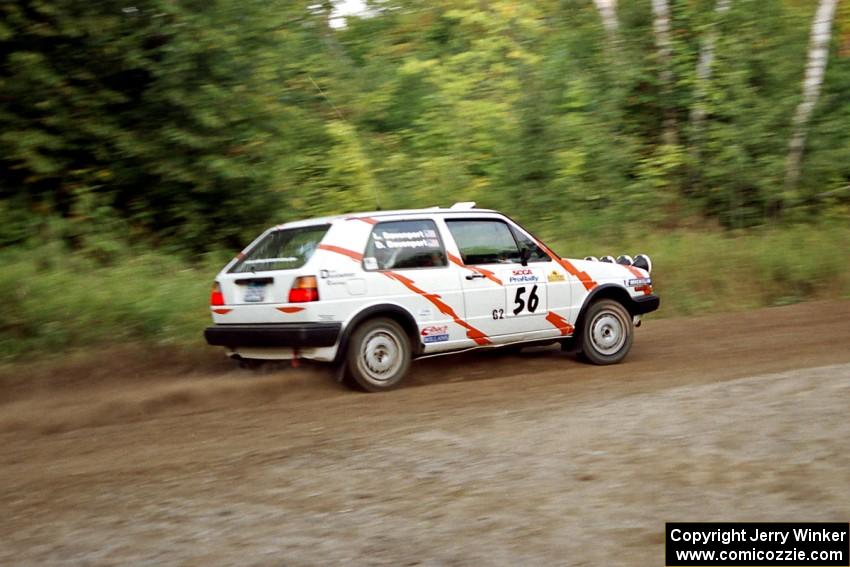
[703,70]
[661,26]
[821,32]
[608,12]
[175,115]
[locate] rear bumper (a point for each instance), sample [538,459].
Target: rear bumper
[274,335]
[644,304]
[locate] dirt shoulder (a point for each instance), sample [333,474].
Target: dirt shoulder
[483,459]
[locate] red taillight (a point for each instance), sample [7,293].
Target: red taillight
[216,297]
[304,289]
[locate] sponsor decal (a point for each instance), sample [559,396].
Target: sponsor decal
[556,276]
[641,282]
[583,277]
[523,275]
[333,277]
[414,239]
[333,274]
[435,334]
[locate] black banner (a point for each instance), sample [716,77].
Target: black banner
[807,544]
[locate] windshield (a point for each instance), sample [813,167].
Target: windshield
[282,250]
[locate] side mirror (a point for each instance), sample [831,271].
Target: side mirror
[524,255]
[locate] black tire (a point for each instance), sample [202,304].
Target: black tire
[378,355]
[607,333]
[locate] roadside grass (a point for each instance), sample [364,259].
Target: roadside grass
[59,301]
[698,272]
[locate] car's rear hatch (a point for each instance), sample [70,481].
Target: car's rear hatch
[264,274]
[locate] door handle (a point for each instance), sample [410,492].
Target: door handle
[476,275]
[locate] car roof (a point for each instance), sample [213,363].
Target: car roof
[456,208]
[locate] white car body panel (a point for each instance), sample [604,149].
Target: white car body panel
[455,307]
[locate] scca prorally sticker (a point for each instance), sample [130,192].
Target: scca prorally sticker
[435,334]
[522,276]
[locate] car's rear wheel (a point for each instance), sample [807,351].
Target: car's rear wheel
[607,333]
[378,355]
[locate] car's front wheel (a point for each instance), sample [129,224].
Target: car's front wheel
[378,355]
[607,332]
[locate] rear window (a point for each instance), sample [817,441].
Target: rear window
[404,244]
[282,250]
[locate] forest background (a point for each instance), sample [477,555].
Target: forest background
[144,143]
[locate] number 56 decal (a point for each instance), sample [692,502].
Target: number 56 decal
[525,303]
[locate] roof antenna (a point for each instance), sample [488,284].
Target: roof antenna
[341,117]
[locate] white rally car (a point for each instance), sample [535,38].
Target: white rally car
[372,291]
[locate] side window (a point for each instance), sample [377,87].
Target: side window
[537,253]
[484,241]
[398,245]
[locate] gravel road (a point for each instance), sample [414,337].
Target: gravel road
[483,459]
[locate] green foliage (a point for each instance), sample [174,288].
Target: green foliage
[62,300]
[194,124]
[706,271]
[186,127]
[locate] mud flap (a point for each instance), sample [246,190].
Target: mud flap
[339,374]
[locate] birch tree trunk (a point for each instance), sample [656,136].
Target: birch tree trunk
[661,25]
[608,12]
[706,60]
[812,82]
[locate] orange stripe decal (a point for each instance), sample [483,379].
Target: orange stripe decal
[560,323]
[367,220]
[290,309]
[356,256]
[444,308]
[646,289]
[635,272]
[583,277]
[222,311]
[486,273]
